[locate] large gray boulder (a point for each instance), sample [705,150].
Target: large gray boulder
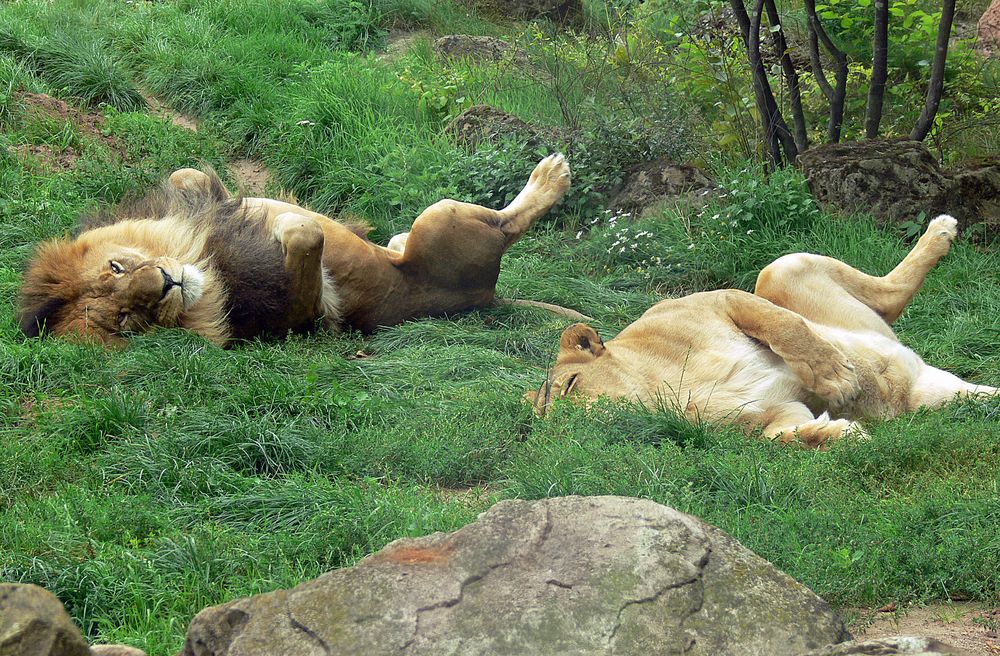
[897,180]
[480,49]
[483,123]
[896,646]
[988,29]
[571,575]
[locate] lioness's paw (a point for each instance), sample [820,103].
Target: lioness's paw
[817,433]
[833,380]
[943,226]
[551,176]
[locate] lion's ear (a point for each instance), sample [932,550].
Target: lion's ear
[34,319]
[581,338]
[50,283]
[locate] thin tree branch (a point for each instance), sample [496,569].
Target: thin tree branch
[936,84]
[781,50]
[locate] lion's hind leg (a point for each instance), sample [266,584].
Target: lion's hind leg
[302,241]
[546,186]
[793,422]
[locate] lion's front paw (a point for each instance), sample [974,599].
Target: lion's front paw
[833,380]
[551,177]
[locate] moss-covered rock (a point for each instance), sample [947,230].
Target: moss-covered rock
[571,575]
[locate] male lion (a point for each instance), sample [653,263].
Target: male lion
[805,357]
[191,256]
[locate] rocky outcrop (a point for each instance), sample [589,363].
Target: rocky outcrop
[897,180]
[33,622]
[482,123]
[649,183]
[901,646]
[988,31]
[115,650]
[480,49]
[572,575]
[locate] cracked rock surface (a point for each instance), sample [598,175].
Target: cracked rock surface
[570,575]
[33,622]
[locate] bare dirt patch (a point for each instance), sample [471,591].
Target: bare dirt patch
[252,176]
[400,41]
[160,109]
[40,107]
[966,625]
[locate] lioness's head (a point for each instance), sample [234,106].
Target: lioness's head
[579,370]
[96,289]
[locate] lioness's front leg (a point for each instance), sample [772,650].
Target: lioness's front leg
[821,366]
[302,242]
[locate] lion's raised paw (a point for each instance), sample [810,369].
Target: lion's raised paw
[943,226]
[551,176]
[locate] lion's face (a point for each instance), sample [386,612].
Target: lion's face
[578,372]
[100,291]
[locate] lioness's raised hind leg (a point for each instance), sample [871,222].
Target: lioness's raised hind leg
[832,293]
[302,240]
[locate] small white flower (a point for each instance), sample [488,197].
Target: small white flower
[750,231]
[579,234]
[306,122]
[690,246]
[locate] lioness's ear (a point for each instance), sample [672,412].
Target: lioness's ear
[581,337]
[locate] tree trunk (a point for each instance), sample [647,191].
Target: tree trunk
[936,84]
[777,137]
[880,69]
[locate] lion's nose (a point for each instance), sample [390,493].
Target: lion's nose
[168,281]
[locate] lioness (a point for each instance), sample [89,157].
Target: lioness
[805,357]
[193,257]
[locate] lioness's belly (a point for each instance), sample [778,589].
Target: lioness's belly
[735,381]
[886,372]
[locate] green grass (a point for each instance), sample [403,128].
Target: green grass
[143,484]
